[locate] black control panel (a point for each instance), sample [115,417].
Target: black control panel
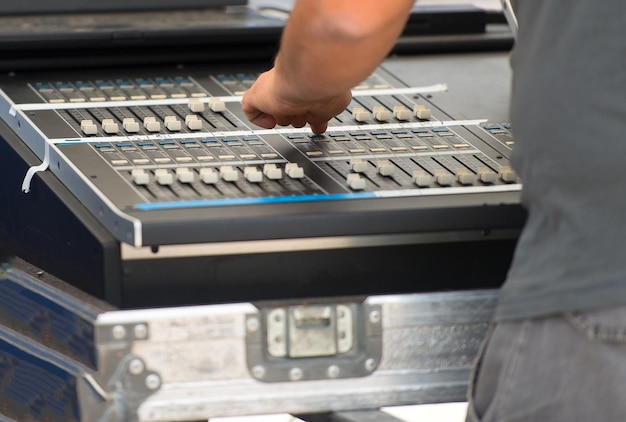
[152,155]
[165,162]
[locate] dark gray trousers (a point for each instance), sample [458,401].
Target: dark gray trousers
[565,368]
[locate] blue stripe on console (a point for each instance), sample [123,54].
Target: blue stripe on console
[155,206]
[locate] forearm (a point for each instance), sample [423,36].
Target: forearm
[328,47]
[331,45]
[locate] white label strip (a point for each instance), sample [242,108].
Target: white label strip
[400,91]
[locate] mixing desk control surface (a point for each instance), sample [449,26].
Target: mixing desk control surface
[172,160]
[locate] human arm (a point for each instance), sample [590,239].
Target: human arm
[328,46]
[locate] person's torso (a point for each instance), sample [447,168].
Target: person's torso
[568,114]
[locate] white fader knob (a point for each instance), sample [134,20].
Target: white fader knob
[151,124]
[193,122]
[252,175]
[229,173]
[465,177]
[381,114]
[140,177]
[486,175]
[402,113]
[185,175]
[209,176]
[507,174]
[360,114]
[355,181]
[195,105]
[163,177]
[172,123]
[109,126]
[421,112]
[216,105]
[272,172]
[358,165]
[385,167]
[294,171]
[443,177]
[88,127]
[130,125]
[422,178]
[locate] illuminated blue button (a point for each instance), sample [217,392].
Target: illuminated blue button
[184,81]
[225,78]
[167,143]
[244,78]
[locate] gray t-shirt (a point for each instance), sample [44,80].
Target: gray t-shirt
[568,113]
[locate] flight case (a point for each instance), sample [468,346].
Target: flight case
[66,356]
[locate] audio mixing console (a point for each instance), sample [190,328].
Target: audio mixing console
[141,151]
[168,160]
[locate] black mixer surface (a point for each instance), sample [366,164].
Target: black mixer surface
[167,164]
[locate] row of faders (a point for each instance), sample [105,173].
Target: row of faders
[152,119]
[200,116]
[219,182]
[207,167]
[120,117]
[395,159]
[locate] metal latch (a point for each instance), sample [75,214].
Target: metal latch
[308,331]
[314,341]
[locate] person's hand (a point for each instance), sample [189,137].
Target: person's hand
[267,105]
